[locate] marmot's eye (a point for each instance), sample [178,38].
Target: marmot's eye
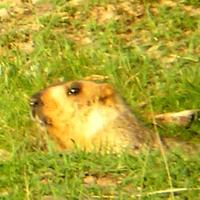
[74,89]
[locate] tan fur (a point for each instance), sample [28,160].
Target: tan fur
[94,119]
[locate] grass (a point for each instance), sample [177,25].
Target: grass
[150,55]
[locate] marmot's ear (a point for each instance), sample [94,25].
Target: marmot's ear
[107,93]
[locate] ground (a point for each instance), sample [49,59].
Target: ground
[149,50]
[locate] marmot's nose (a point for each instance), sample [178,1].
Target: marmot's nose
[35,100]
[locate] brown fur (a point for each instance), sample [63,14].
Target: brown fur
[90,116]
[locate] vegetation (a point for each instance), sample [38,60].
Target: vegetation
[150,52]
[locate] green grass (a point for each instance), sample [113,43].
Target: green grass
[152,57]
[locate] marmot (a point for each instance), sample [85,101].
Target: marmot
[90,116]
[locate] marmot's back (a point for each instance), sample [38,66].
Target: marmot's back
[90,116]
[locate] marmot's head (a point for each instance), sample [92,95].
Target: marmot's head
[61,102]
[88,114]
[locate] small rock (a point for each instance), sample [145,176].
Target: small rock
[76,2]
[4,14]
[49,197]
[106,182]
[90,180]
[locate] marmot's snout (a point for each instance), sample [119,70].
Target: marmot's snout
[35,102]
